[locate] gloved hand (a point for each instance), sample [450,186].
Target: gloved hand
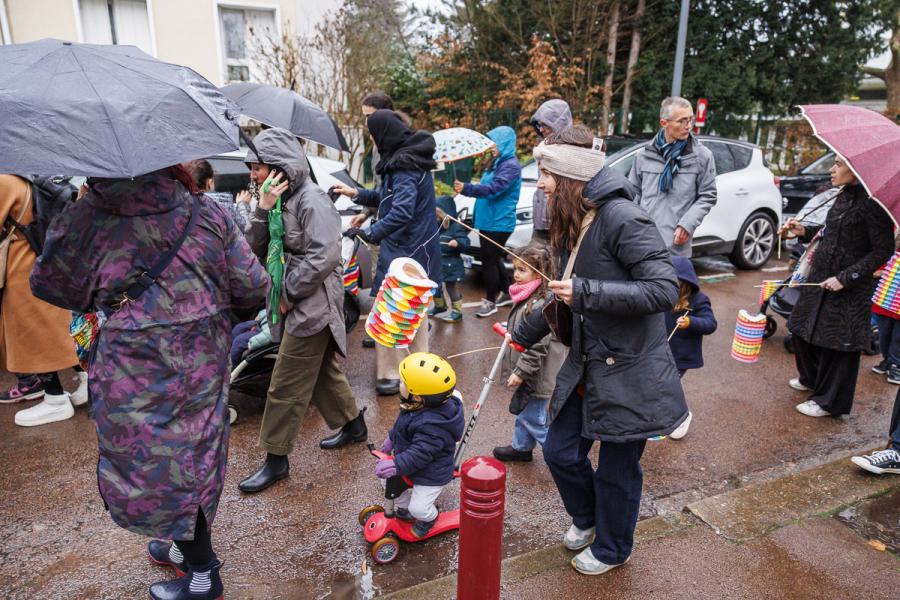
[385,468]
[358,232]
[333,195]
[387,445]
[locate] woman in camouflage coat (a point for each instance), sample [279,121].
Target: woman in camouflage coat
[159,375]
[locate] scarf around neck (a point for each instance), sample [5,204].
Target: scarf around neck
[519,292]
[671,153]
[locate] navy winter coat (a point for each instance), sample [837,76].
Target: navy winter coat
[687,343]
[425,441]
[406,206]
[452,263]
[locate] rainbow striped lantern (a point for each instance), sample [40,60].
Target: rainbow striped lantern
[351,277]
[400,304]
[886,294]
[768,288]
[748,335]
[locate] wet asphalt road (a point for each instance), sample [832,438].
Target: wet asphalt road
[301,539]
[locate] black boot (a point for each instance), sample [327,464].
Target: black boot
[404,515]
[180,589]
[275,468]
[368,342]
[161,554]
[508,453]
[387,387]
[421,528]
[352,431]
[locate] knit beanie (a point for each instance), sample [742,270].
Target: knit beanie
[574,162]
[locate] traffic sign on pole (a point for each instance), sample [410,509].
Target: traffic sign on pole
[701,112]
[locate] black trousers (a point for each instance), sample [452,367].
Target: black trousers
[496,277]
[830,374]
[198,552]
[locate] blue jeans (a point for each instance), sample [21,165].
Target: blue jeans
[889,338]
[240,336]
[531,425]
[608,498]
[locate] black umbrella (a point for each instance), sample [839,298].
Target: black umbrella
[105,111]
[281,107]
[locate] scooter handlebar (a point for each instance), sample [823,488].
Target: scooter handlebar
[499,328]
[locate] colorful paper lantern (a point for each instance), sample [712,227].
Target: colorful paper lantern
[351,277]
[400,304]
[768,288]
[748,335]
[886,294]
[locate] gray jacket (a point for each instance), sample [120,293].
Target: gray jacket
[539,364]
[556,115]
[692,195]
[313,277]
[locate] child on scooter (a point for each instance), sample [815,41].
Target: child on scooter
[424,437]
[691,319]
[533,372]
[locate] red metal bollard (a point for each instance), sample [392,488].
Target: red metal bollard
[481,501]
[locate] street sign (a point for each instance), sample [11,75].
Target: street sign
[701,112]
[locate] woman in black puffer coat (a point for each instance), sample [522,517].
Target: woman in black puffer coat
[619,384]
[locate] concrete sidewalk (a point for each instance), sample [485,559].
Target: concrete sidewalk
[800,536]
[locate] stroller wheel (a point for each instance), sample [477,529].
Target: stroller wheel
[367,513]
[232,414]
[789,343]
[771,328]
[385,550]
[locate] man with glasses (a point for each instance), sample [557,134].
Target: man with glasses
[675,177]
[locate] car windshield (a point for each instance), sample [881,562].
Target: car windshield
[530,170]
[614,145]
[820,166]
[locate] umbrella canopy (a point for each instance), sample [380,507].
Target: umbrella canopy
[457,143]
[868,141]
[105,111]
[281,107]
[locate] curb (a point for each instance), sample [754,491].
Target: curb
[738,515]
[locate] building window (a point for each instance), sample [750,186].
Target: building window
[122,22]
[246,36]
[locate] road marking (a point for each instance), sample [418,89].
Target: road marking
[771,269]
[717,275]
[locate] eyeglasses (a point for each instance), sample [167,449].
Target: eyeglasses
[685,122]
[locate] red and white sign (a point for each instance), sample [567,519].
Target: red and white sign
[701,112]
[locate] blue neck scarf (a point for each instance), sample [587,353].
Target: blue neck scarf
[671,153]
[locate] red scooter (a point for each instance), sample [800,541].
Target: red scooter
[379,523]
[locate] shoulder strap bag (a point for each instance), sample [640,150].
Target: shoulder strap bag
[7,235]
[558,313]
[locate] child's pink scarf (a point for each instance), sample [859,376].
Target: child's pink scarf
[520,292]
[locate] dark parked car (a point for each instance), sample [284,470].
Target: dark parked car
[798,189]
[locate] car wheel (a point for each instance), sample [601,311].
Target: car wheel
[755,242]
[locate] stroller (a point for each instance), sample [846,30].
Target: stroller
[782,303]
[254,373]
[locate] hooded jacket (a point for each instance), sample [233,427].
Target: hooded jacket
[687,202]
[405,201]
[425,442]
[623,282]
[313,278]
[556,115]
[687,344]
[498,193]
[451,261]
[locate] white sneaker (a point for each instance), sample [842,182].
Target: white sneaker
[586,563]
[811,409]
[682,429]
[795,383]
[576,539]
[53,408]
[80,396]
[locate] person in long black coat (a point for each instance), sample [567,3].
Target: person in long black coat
[619,384]
[831,323]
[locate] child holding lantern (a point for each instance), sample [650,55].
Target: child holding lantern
[690,320]
[533,372]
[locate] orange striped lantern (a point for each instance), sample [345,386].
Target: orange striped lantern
[401,304]
[768,288]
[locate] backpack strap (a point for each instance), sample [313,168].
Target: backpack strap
[150,276]
[15,224]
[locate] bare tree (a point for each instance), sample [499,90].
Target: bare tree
[633,56]
[611,64]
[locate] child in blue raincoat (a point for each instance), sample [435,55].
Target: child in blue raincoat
[454,241]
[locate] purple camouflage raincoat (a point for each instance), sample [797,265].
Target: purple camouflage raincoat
[159,375]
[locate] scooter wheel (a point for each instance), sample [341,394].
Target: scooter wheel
[366,514]
[385,550]
[232,414]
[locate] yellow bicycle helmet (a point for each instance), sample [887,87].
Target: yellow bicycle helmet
[428,376]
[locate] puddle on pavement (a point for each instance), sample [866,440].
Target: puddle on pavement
[876,519]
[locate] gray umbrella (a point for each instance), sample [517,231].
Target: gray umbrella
[105,111]
[281,107]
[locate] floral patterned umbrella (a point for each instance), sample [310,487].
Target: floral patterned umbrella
[457,143]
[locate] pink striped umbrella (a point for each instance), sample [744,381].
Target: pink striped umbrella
[868,141]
